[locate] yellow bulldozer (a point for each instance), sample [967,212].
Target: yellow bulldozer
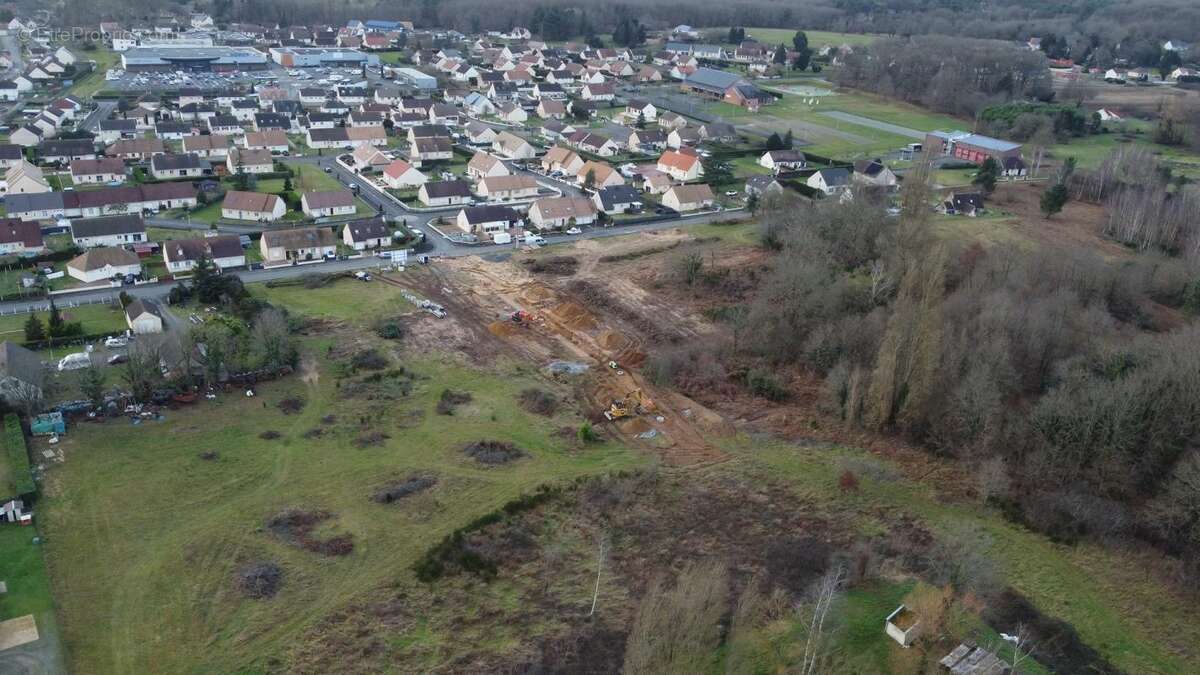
[634,403]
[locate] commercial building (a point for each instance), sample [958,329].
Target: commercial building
[313,57]
[415,78]
[968,147]
[172,58]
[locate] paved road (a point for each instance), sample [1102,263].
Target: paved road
[102,111]
[874,124]
[159,291]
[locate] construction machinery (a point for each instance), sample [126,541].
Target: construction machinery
[634,403]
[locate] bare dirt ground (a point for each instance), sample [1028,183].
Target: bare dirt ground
[1130,99]
[593,317]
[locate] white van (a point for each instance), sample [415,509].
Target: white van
[501,238]
[532,239]
[75,361]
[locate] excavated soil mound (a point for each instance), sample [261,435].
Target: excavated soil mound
[575,315]
[611,339]
[502,328]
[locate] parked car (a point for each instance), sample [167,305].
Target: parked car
[574,230]
[116,341]
[117,359]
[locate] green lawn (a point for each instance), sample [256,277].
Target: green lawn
[94,81]
[23,569]
[181,526]
[816,38]
[371,300]
[96,319]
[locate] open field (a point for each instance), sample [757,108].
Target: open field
[724,476]
[93,82]
[186,518]
[816,38]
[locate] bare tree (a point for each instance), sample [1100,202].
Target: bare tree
[270,335]
[601,553]
[816,613]
[677,628]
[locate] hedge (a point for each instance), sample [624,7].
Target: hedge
[68,341]
[20,476]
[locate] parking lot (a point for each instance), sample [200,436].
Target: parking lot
[292,79]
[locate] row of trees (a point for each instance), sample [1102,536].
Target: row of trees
[953,75]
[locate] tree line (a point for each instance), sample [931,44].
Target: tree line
[1046,371]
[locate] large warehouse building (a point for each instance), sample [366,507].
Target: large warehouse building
[415,78]
[171,58]
[312,57]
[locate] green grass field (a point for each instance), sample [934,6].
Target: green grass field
[94,81]
[96,319]
[370,300]
[816,38]
[181,526]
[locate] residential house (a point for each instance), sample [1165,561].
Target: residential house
[549,108]
[224,250]
[65,151]
[98,264]
[782,160]
[327,203]
[257,206]
[761,185]
[692,197]
[367,158]
[108,131]
[479,133]
[617,199]
[483,165]
[369,233]
[874,173]
[93,171]
[144,317]
[444,193]
[225,125]
[968,204]
[400,175]
[638,109]
[680,166]
[596,144]
[20,237]
[512,146]
[25,178]
[511,113]
[595,175]
[307,243]
[22,375]
[507,188]
[681,137]
[561,159]
[174,131]
[430,149]
[209,147]
[136,149]
[272,140]
[241,160]
[559,212]
[598,92]
[830,181]
[169,167]
[11,154]
[109,231]
[647,140]
[487,220]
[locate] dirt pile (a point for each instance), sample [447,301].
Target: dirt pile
[493,452]
[574,315]
[295,527]
[371,439]
[559,265]
[614,340]
[539,402]
[259,580]
[503,328]
[270,435]
[291,406]
[397,491]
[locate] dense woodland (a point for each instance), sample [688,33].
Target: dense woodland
[1051,373]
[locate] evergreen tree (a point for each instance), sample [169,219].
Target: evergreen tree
[774,142]
[788,141]
[641,120]
[34,331]
[55,324]
[1054,199]
[752,203]
[985,178]
[780,54]
[716,171]
[803,53]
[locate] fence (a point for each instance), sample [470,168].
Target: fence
[107,300]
